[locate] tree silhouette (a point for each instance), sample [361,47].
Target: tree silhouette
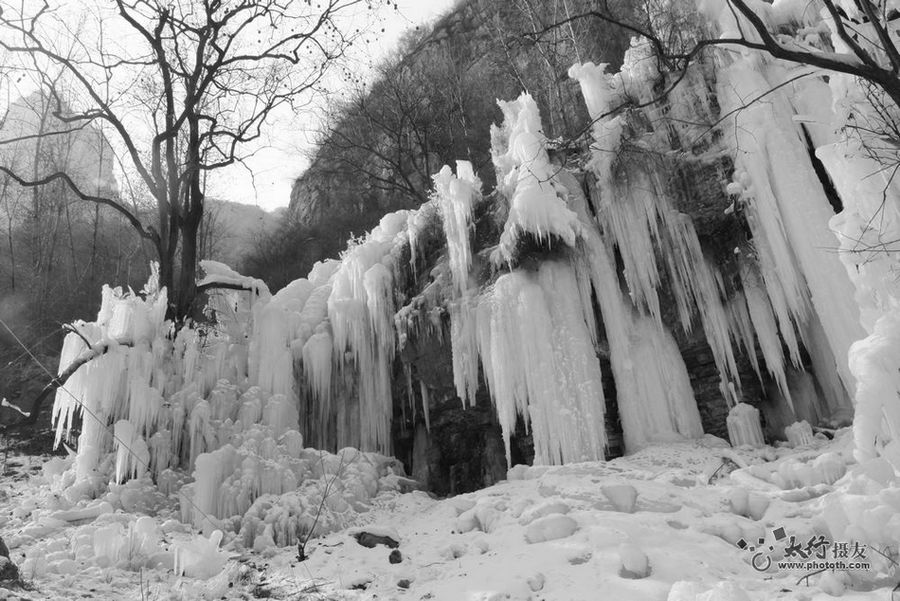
[183,87]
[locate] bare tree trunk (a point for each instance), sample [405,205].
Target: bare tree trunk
[9,234]
[187,281]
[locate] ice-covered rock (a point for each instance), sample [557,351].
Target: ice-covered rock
[536,581]
[633,562]
[744,427]
[200,557]
[550,527]
[622,496]
[799,433]
[543,509]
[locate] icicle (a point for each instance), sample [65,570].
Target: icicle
[161,452]
[456,196]
[742,325]
[426,405]
[199,431]
[547,370]
[68,397]
[464,346]
[317,363]
[132,454]
[766,329]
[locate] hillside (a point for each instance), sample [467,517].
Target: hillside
[434,102]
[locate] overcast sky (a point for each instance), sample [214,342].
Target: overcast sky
[275,166]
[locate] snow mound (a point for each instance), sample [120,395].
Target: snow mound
[550,527]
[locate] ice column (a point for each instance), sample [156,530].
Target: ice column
[744,427]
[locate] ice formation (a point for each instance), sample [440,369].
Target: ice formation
[744,427]
[799,433]
[456,195]
[217,404]
[546,371]
[537,206]
[220,414]
[789,212]
[639,219]
[839,119]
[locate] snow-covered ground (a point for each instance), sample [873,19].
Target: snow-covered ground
[663,523]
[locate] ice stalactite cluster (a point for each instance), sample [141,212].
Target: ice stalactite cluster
[657,243]
[789,216]
[239,440]
[537,206]
[456,195]
[835,118]
[794,290]
[546,370]
[124,377]
[361,312]
[336,326]
[654,395]
[528,330]
[268,488]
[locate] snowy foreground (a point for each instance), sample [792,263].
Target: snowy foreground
[566,533]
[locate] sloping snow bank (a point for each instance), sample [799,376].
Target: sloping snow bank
[673,510]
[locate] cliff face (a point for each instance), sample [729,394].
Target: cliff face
[725,295]
[84,153]
[434,103]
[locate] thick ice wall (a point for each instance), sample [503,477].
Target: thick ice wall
[361,313]
[540,362]
[654,395]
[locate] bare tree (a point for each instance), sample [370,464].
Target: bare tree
[184,87]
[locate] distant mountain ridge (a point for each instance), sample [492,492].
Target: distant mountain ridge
[235,229]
